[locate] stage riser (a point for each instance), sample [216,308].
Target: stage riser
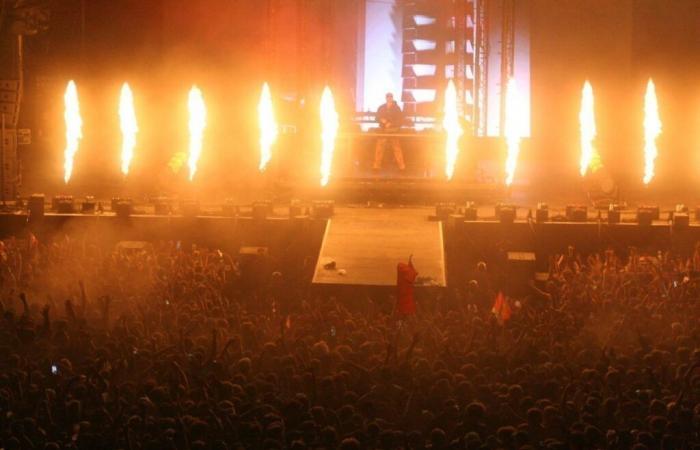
[214,232]
[469,242]
[465,243]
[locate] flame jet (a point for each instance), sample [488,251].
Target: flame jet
[652,130]
[453,129]
[513,129]
[590,158]
[197,124]
[74,128]
[268,127]
[329,127]
[128,125]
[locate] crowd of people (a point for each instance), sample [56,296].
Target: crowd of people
[166,346]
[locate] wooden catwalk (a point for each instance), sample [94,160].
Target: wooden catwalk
[366,244]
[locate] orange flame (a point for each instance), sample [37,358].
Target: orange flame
[590,158]
[268,127]
[452,126]
[197,124]
[74,128]
[329,127]
[129,126]
[513,128]
[652,130]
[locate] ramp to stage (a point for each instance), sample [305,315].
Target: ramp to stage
[367,244]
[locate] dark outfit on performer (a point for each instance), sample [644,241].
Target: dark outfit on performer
[390,118]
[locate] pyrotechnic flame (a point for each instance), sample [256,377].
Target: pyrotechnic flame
[74,128]
[129,126]
[590,158]
[513,128]
[197,124]
[329,127]
[453,129]
[652,130]
[268,127]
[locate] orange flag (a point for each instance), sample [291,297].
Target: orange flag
[501,308]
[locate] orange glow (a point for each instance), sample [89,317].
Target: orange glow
[128,125]
[268,127]
[590,158]
[453,129]
[197,124]
[652,130]
[514,124]
[74,128]
[329,127]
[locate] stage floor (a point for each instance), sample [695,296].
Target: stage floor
[366,244]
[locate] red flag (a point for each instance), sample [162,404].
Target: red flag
[501,308]
[405,277]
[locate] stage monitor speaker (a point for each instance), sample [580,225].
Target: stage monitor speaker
[681,219]
[614,214]
[444,209]
[190,209]
[88,205]
[506,213]
[576,213]
[322,209]
[646,215]
[470,212]
[261,210]
[123,208]
[296,208]
[161,206]
[36,206]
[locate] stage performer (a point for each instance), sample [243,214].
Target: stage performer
[390,118]
[405,277]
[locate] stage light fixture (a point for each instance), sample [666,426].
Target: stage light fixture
[614,214]
[506,213]
[88,205]
[123,207]
[63,204]
[444,209]
[36,206]
[576,213]
[322,209]
[470,212]
[542,213]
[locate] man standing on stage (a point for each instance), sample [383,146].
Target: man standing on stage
[390,118]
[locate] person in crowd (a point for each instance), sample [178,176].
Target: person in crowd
[161,347]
